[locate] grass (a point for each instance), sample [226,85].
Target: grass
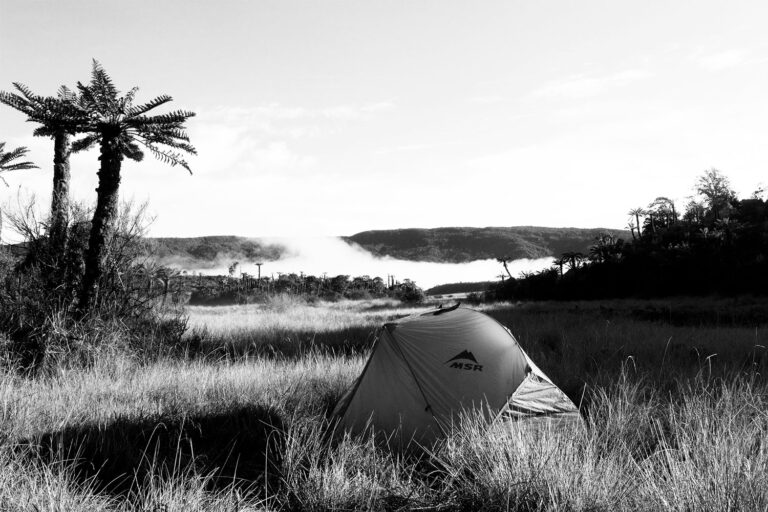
[674,420]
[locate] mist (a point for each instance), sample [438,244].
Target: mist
[333,256]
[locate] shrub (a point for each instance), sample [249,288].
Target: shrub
[407,291]
[38,299]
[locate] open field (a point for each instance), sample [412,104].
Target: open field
[675,412]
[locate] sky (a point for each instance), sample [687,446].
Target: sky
[326,118]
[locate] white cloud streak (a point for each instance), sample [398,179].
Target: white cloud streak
[585,85]
[719,61]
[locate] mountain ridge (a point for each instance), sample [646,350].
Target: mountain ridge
[464,244]
[441,245]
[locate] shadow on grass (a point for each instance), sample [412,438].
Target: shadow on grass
[242,447]
[282,343]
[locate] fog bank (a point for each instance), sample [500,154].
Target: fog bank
[334,256]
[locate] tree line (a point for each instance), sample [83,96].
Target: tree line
[717,244]
[210,290]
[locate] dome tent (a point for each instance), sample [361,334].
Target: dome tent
[426,368]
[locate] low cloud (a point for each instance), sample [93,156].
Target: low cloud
[586,85]
[719,61]
[333,256]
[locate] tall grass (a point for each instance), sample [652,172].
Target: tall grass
[673,418]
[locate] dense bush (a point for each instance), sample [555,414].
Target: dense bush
[718,246]
[219,290]
[39,320]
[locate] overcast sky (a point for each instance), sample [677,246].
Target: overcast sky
[333,117]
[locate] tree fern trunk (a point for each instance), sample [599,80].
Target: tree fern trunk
[103,221]
[60,198]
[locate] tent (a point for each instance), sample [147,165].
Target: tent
[426,368]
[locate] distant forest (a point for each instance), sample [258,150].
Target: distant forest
[471,287]
[717,244]
[464,244]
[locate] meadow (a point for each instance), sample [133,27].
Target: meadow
[235,416]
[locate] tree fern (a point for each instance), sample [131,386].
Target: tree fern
[59,118]
[9,160]
[122,130]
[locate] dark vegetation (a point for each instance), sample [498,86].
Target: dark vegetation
[449,288]
[121,128]
[221,290]
[211,251]
[82,273]
[463,244]
[718,244]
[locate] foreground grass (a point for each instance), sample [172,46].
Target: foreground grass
[675,419]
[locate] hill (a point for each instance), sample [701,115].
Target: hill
[463,244]
[212,251]
[449,245]
[449,288]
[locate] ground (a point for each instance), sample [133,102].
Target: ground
[673,398]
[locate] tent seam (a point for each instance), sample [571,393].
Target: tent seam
[415,379]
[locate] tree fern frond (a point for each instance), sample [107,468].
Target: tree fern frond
[15,101]
[161,133]
[66,94]
[176,118]
[26,92]
[86,95]
[100,77]
[168,157]
[85,143]
[133,151]
[172,143]
[7,159]
[129,96]
[43,131]
[142,109]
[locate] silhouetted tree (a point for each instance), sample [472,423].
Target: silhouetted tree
[9,160]
[559,262]
[663,209]
[12,161]
[120,127]
[637,212]
[719,247]
[716,190]
[59,118]
[503,260]
[573,258]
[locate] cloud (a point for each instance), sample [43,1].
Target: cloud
[487,99]
[406,148]
[278,155]
[721,60]
[333,256]
[268,117]
[381,106]
[584,85]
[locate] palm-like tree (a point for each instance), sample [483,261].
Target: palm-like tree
[121,129]
[636,213]
[663,210]
[59,118]
[574,258]
[504,260]
[631,226]
[560,262]
[9,161]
